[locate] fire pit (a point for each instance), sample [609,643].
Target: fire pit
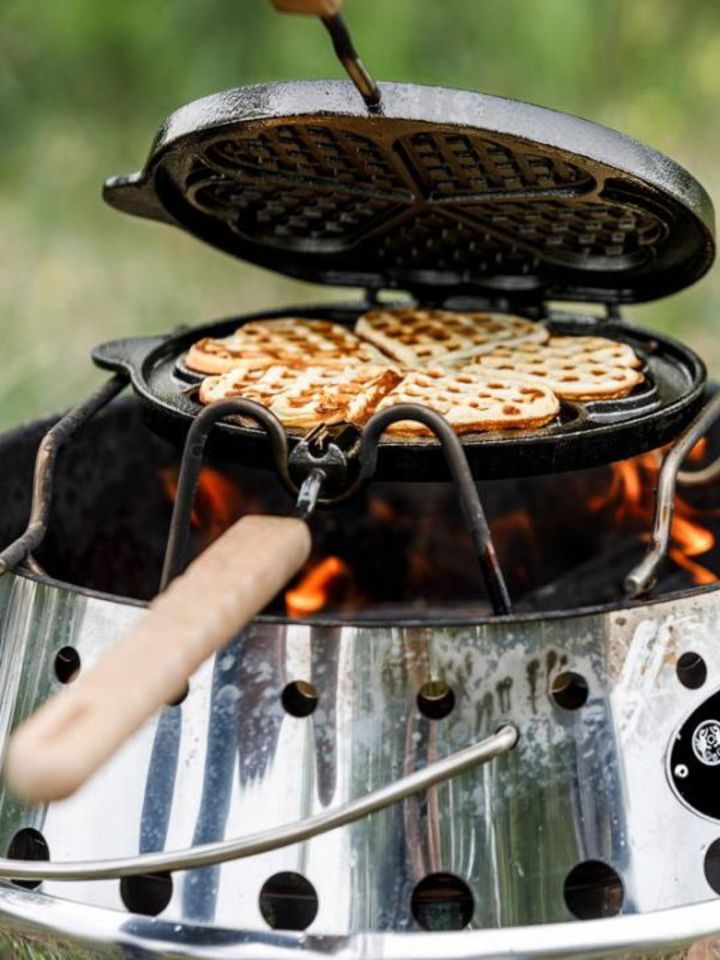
[483,709]
[382,673]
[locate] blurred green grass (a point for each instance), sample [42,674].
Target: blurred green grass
[83,87]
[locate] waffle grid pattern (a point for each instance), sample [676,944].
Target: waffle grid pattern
[460,203]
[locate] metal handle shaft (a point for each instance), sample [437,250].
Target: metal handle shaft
[642,578]
[213,853]
[329,13]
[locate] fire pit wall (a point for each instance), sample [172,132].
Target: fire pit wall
[583,819]
[565,541]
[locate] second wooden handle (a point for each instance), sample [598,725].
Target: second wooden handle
[60,746]
[318,8]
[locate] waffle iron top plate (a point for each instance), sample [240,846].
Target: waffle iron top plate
[444,191]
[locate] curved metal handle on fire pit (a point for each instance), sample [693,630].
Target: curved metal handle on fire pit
[275,838]
[642,578]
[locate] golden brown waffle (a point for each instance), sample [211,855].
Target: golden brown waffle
[289,340]
[419,338]
[575,368]
[306,397]
[473,402]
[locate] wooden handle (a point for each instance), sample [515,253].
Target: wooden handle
[316,8]
[60,746]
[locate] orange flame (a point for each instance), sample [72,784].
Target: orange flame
[630,496]
[317,587]
[218,502]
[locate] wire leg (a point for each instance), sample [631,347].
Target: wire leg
[52,442]
[642,578]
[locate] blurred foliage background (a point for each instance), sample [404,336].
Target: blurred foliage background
[84,85]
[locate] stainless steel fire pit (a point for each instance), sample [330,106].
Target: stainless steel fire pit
[579,820]
[582,819]
[396,782]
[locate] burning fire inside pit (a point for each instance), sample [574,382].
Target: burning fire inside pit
[327,583]
[630,502]
[397,550]
[406,550]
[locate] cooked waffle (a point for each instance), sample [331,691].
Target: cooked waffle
[289,340]
[420,338]
[473,402]
[304,397]
[575,368]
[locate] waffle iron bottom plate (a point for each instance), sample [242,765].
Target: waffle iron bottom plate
[584,435]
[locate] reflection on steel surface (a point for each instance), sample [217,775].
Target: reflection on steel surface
[577,787]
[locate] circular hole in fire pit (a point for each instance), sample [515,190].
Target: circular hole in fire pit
[442,901]
[28,844]
[147,894]
[712,865]
[300,698]
[569,690]
[691,670]
[67,664]
[288,901]
[593,890]
[435,699]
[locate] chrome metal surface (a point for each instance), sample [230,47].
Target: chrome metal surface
[642,578]
[582,784]
[212,854]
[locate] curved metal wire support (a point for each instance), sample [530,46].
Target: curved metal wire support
[191,464]
[21,549]
[213,853]
[470,503]
[702,477]
[309,492]
[643,578]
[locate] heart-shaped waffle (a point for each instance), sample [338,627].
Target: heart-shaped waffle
[419,338]
[288,340]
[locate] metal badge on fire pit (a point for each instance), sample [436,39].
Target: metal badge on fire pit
[694,759]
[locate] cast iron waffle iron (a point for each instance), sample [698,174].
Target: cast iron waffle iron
[449,195]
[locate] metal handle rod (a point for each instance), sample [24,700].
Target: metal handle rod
[191,464]
[472,509]
[643,577]
[700,478]
[470,503]
[349,58]
[329,13]
[51,443]
[277,837]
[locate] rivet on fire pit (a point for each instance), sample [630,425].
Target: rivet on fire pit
[691,670]
[67,664]
[593,890]
[442,901]
[300,698]
[288,901]
[569,690]
[147,894]
[435,699]
[28,844]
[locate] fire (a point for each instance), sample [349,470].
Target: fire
[218,502]
[630,499]
[320,584]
